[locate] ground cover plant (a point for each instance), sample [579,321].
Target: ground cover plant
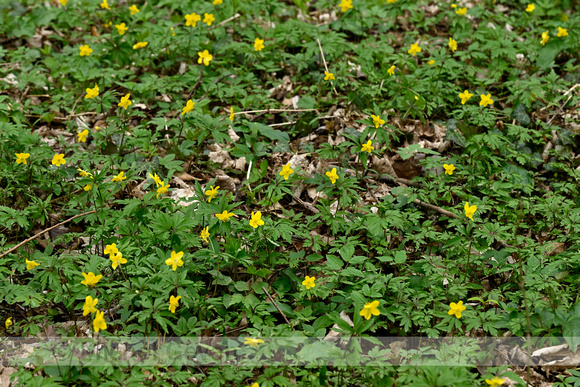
[271,169]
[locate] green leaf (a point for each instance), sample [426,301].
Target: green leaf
[346,252]
[374,224]
[333,262]
[272,134]
[283,284]
[547,55]
[306,102]
[315,351]
[400,256]
[407,153]
[453,133]
[520,114]
[314,257]
[242,286]
[161,321]
[517,175]
[352,271]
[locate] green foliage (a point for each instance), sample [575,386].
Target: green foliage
[200,140]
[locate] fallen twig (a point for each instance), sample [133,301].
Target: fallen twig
[276,111]
[400,181]
[196,83]
[306,205]
[215,83]
[438,209]
[63,119]
[237,15]
[324,61]
[431,206]
[564,104]
[276,305]
[42,232]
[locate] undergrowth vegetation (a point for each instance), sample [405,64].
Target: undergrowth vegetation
[266,169]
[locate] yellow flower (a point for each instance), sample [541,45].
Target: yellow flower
[85,50]
[377,120]
[122,28]
[133,9]
[162,189]
[156,179]
[188,107]
[328,76]
[309,282]
[58,159]
[172,32]
[99,321]
[564,17]
[485,100]
[465,96]
[63,2]
[91,279]
[469,211]
[92,93]
[449,168]
[111,249]
[208,18]
[452,44]
[286,171]
[431,62]
[175,260]
[253,342]
[332,175]
[173,303]
[391,1]
[204,56]
[119,178]
[232,114]
[545,38]
[258,44]
[225,216]
[391,70]
[461,11]
[125,101]
[139,45]
[456,309]
[256,220]
[415,49]
[370,309]
[204,234]
[495,382]
[83,173]
[21,158]
[212,193]
[108,24]
[368,147]
[562,32]
[217,2]
[83,135]
[9,322]
[104,5]
[117,260]
[345,5]
[88,187]
[530,8]
[192,19]
[453,5]
[89,306]
[31,264]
